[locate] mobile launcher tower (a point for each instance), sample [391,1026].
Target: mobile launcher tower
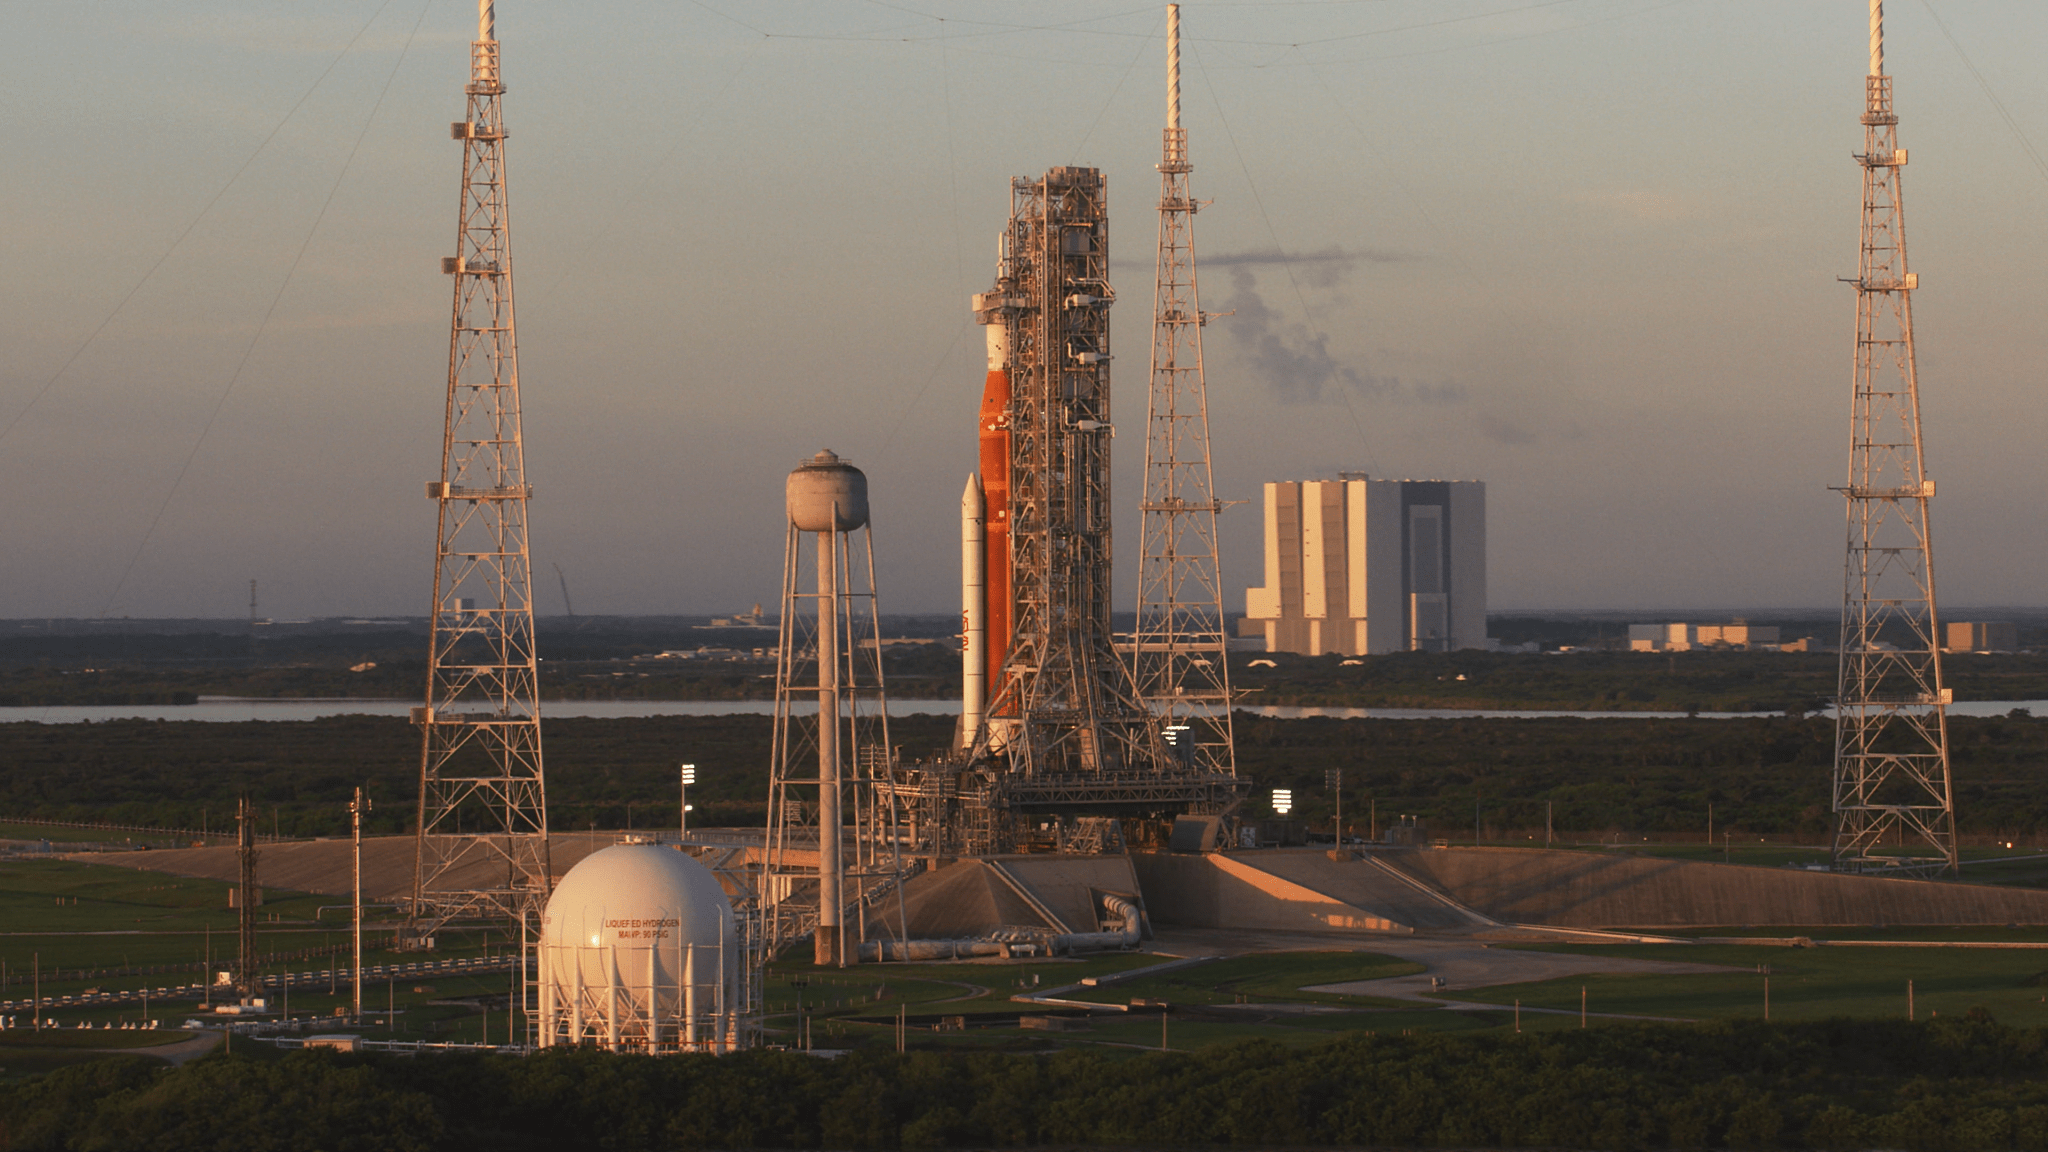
[1057,749]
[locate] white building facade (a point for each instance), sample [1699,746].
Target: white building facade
[1364,567]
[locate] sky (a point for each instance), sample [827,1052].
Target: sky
[1584,250]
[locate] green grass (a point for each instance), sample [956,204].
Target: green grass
[66,896]
[1277,976]
[962,989]
[1959,933]
[127,918]
[1805,983]
[88,1038]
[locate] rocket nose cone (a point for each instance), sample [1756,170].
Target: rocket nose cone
[971,500]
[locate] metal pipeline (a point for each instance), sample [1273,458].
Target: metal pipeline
[884,950]
[1126,934]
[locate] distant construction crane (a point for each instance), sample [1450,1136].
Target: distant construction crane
[482,848]
[568,605]
[1178,652]
[1891,778]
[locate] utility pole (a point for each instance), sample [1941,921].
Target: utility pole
[246,982]
[1891,723]
[1333,779]
[1178,654]
[480,735]
[356,809]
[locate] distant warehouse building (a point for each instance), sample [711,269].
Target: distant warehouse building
[1685,637]
[1983,636]
[1362,567]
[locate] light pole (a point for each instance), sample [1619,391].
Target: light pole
[355,812]
[688,776]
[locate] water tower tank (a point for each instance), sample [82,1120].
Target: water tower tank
[639,949]
[823,485]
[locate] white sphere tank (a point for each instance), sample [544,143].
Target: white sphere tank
[639,949]
[826,493]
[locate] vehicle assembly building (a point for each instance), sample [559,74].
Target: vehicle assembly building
[1363,567]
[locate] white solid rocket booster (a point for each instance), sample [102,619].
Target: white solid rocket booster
[973,609]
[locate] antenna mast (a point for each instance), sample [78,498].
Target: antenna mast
[1178,658]
[482,849]
[1891,727]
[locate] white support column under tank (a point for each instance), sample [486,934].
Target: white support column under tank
[973,609]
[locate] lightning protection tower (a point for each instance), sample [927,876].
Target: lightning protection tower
[1177,657]
[482,849]
[832,856]
[1891,779]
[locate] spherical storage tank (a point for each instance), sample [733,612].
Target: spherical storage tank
[827,494]
[639,949]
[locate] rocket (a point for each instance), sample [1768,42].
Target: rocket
[985,593]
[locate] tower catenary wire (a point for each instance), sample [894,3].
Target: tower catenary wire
[482,835]
[1178,654]
[1891,770]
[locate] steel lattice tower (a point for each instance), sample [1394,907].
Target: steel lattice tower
[483,827]
[1891,727]
[1178,658]
[1053,295]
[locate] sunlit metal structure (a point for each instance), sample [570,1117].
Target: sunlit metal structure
[1178,651]
[832,856]
[482,847]
[1891,774]
[1066,750]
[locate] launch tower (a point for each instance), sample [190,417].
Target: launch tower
[1891,778]
[482,849]
[1065,746]
[1178,654]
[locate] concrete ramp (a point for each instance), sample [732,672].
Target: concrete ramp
[1069,886]
[1238,890]
[975,897]
[1366,883]
[1584,890]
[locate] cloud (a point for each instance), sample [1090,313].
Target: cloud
[1295,362]
[1504,432]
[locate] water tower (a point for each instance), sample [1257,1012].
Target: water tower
[831,855]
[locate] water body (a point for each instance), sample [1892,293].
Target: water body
[237,710]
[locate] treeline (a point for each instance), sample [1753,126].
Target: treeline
[911,671]
[1765,776]
[1956,1084]
[1703,681]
